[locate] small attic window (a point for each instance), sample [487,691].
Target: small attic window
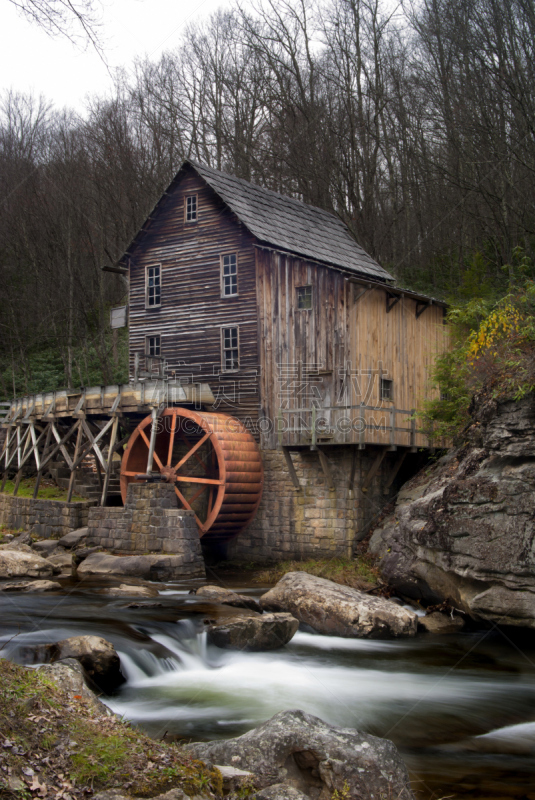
[191,208]
[304,297]
[386,389]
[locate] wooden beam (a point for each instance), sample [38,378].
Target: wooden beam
[92,442]
[326,467]
[373,470]
[17,482]
[395,470]
[40,471]
[107,476]
[358,296]
[99,472]
[353,468]
[152,443]
[73,470]
[291,469]
[391,301]
[420,307]
[60,442]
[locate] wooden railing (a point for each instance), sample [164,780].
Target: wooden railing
[351,425]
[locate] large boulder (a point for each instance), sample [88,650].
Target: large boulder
[337,610]
[23,538]
[463,530]
[314,758]
[47,547]
[17,564]
[150,567]
[266,632]
[96,655]
[62,561]
[218,594]
[69,676]
[74,538]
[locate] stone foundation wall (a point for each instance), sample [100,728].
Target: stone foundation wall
[313,522]
[51,519]
[150,522]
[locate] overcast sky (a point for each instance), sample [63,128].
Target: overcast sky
[65,74]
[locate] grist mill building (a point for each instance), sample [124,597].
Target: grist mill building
[300,335]
[275,375]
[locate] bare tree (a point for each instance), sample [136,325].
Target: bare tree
[78,20]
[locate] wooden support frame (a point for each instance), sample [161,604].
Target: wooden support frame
[359,295]
[107,476]
[27,439]
[326,467]
[40,470]
[421,306]
[394,472]
[391,300]
[291,468]
[354,458]
[73,470]
[373,470]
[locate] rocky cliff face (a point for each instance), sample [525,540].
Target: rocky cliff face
[463,530]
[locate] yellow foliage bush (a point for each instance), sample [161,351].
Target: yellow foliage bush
[503,323]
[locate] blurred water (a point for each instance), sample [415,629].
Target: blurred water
[460,708]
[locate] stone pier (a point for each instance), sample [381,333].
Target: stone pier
[150,523]
[315,521]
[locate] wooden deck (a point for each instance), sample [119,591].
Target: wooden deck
[362,425]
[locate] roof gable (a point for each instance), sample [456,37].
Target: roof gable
[282,222]
[289,224]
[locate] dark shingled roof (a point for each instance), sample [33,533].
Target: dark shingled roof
[289,224]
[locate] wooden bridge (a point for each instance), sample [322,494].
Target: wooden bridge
[75,424]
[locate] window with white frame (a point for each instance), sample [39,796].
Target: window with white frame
[152,346]
[386,390]
[229,275]
[191,208]
[153,286]
[230,349]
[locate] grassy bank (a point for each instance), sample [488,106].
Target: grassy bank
[359,573]
[54,744]
[47,490]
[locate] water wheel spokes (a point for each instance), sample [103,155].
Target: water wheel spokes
[212,461]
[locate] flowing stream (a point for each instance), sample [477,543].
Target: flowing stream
[460,708]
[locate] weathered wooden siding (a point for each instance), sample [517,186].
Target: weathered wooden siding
[399,345]
[302,352]
[334,355]
[192,310]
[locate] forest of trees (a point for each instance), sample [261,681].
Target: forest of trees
[415,123]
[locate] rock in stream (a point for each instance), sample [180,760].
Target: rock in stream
[337,610]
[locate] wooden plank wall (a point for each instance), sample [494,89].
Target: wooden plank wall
[351,341]
[192,310]
[403,346]
[291,337]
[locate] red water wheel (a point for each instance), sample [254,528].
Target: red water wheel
[212,460]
